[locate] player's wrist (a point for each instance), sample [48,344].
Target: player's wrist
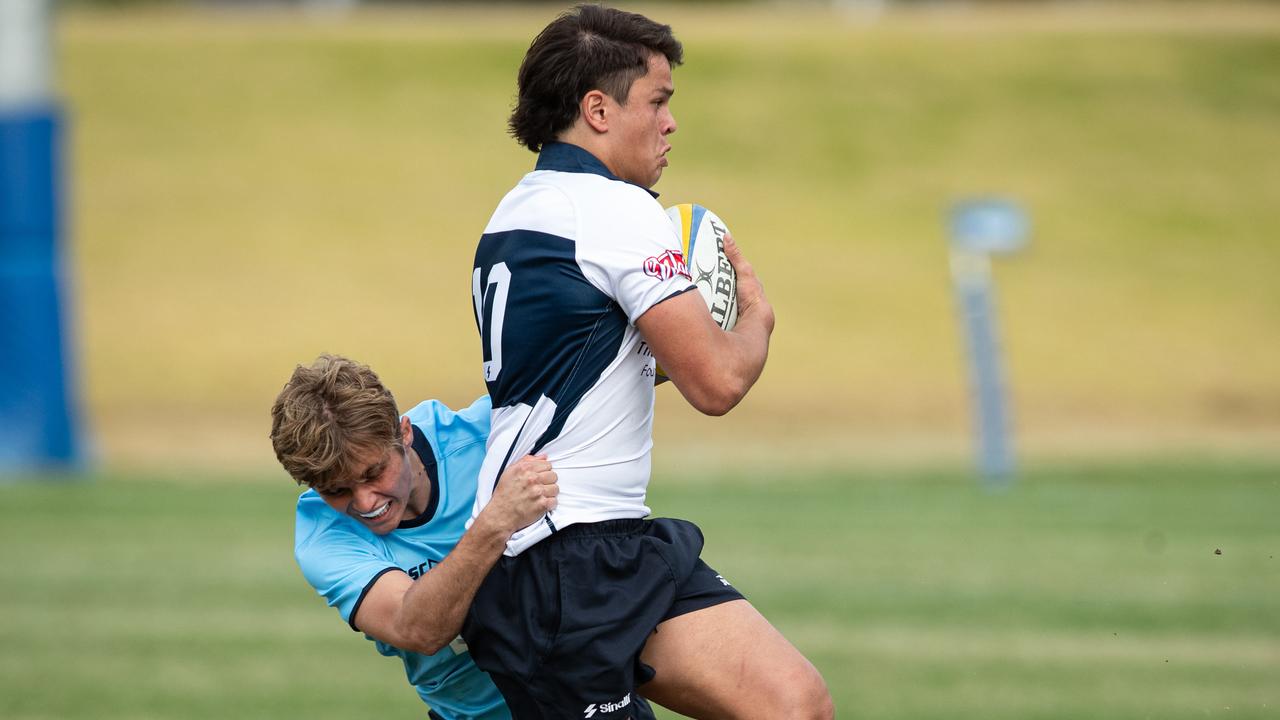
[757,310]
[493,526]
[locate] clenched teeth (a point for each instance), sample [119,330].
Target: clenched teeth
[377,512]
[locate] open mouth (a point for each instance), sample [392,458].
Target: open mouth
[376,512]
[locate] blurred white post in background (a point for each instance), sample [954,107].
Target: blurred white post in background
[26,54]
[980,228]
[38,425]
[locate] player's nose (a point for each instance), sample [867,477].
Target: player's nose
[364,499]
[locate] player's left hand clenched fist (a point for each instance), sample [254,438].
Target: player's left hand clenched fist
[526,491]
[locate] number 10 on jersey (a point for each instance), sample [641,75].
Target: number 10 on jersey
[491,307]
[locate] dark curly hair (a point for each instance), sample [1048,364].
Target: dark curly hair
[589,47]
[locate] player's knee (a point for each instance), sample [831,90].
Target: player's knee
[808,698]
[822,706]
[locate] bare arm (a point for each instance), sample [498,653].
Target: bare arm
[425,615]
[712,368]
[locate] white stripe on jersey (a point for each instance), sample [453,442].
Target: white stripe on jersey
[521,427]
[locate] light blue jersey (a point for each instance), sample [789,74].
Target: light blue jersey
[342,559]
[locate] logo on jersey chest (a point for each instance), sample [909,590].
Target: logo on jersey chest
[667,265]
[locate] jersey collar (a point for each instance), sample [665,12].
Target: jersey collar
[428,458]
[565,157]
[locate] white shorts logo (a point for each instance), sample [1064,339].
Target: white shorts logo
[608,707]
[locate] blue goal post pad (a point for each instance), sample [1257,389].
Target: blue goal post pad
[39,427]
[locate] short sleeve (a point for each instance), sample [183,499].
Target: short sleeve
[337,562]
[634,255]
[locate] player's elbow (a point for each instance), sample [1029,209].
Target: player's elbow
[425,645]
[431,647]
[423,640]
[719,406]
[720,397]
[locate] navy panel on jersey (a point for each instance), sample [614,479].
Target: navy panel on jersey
[558,331]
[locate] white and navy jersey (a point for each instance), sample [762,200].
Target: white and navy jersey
[342,559]
[570,259]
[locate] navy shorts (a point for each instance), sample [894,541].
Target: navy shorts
[560,627]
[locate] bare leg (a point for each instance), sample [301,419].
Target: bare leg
[727,661]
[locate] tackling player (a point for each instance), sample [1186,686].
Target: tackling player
[578,285]
[380,534]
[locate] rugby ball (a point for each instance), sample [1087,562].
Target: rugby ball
[702,240]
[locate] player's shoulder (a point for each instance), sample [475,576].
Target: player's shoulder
[600,196]
[449,431]
[313,509]
[616,213]
[539,204]
[315,523]
[584,195]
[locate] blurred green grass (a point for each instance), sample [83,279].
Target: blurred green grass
[252,189]
[1086,591]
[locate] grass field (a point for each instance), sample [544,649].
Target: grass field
[1085,592]
[253,188]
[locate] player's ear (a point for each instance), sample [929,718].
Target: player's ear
[592,106]
[406,432]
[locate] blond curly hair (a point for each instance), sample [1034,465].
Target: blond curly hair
[326,415]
